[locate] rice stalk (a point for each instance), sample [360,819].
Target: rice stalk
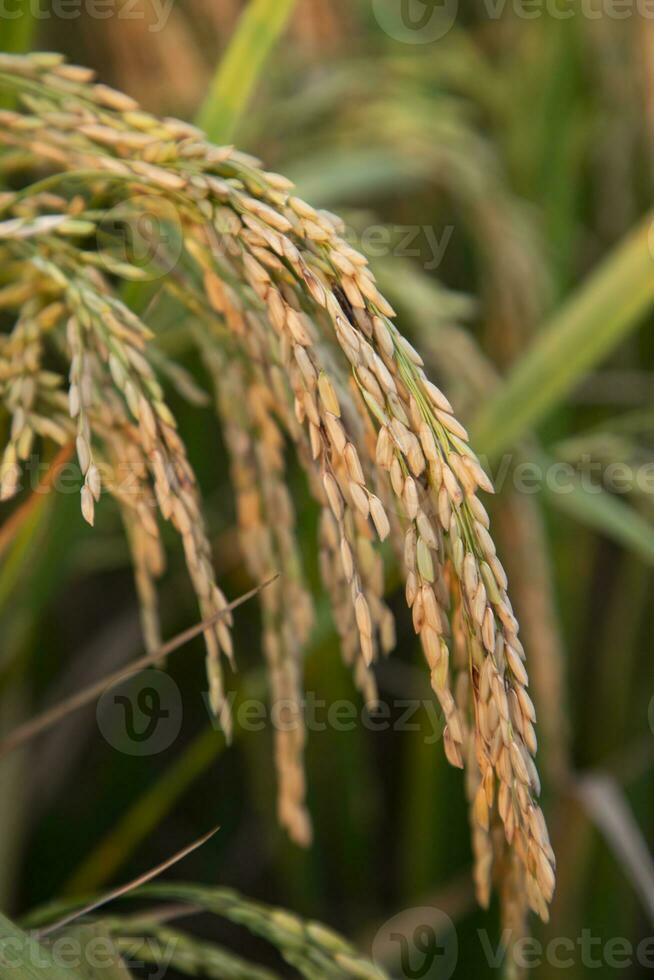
[18,30]
[298,339]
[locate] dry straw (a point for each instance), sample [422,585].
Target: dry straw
[300,344]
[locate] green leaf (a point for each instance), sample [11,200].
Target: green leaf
[601,511]
[589,326]
[258,30]
[23,958]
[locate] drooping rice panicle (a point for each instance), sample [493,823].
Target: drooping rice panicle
[304,343]
[266,522]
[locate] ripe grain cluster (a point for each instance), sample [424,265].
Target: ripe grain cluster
[299,345]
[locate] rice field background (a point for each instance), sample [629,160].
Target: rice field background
[494,164]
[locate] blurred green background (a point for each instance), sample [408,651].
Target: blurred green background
[511,160]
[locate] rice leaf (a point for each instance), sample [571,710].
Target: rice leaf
[605,513]
[23,958]
[258,30]
[585,330]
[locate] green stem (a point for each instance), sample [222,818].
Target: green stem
[17,28]
[258,30]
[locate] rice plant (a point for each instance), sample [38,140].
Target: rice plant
[298,340]
[221,366]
